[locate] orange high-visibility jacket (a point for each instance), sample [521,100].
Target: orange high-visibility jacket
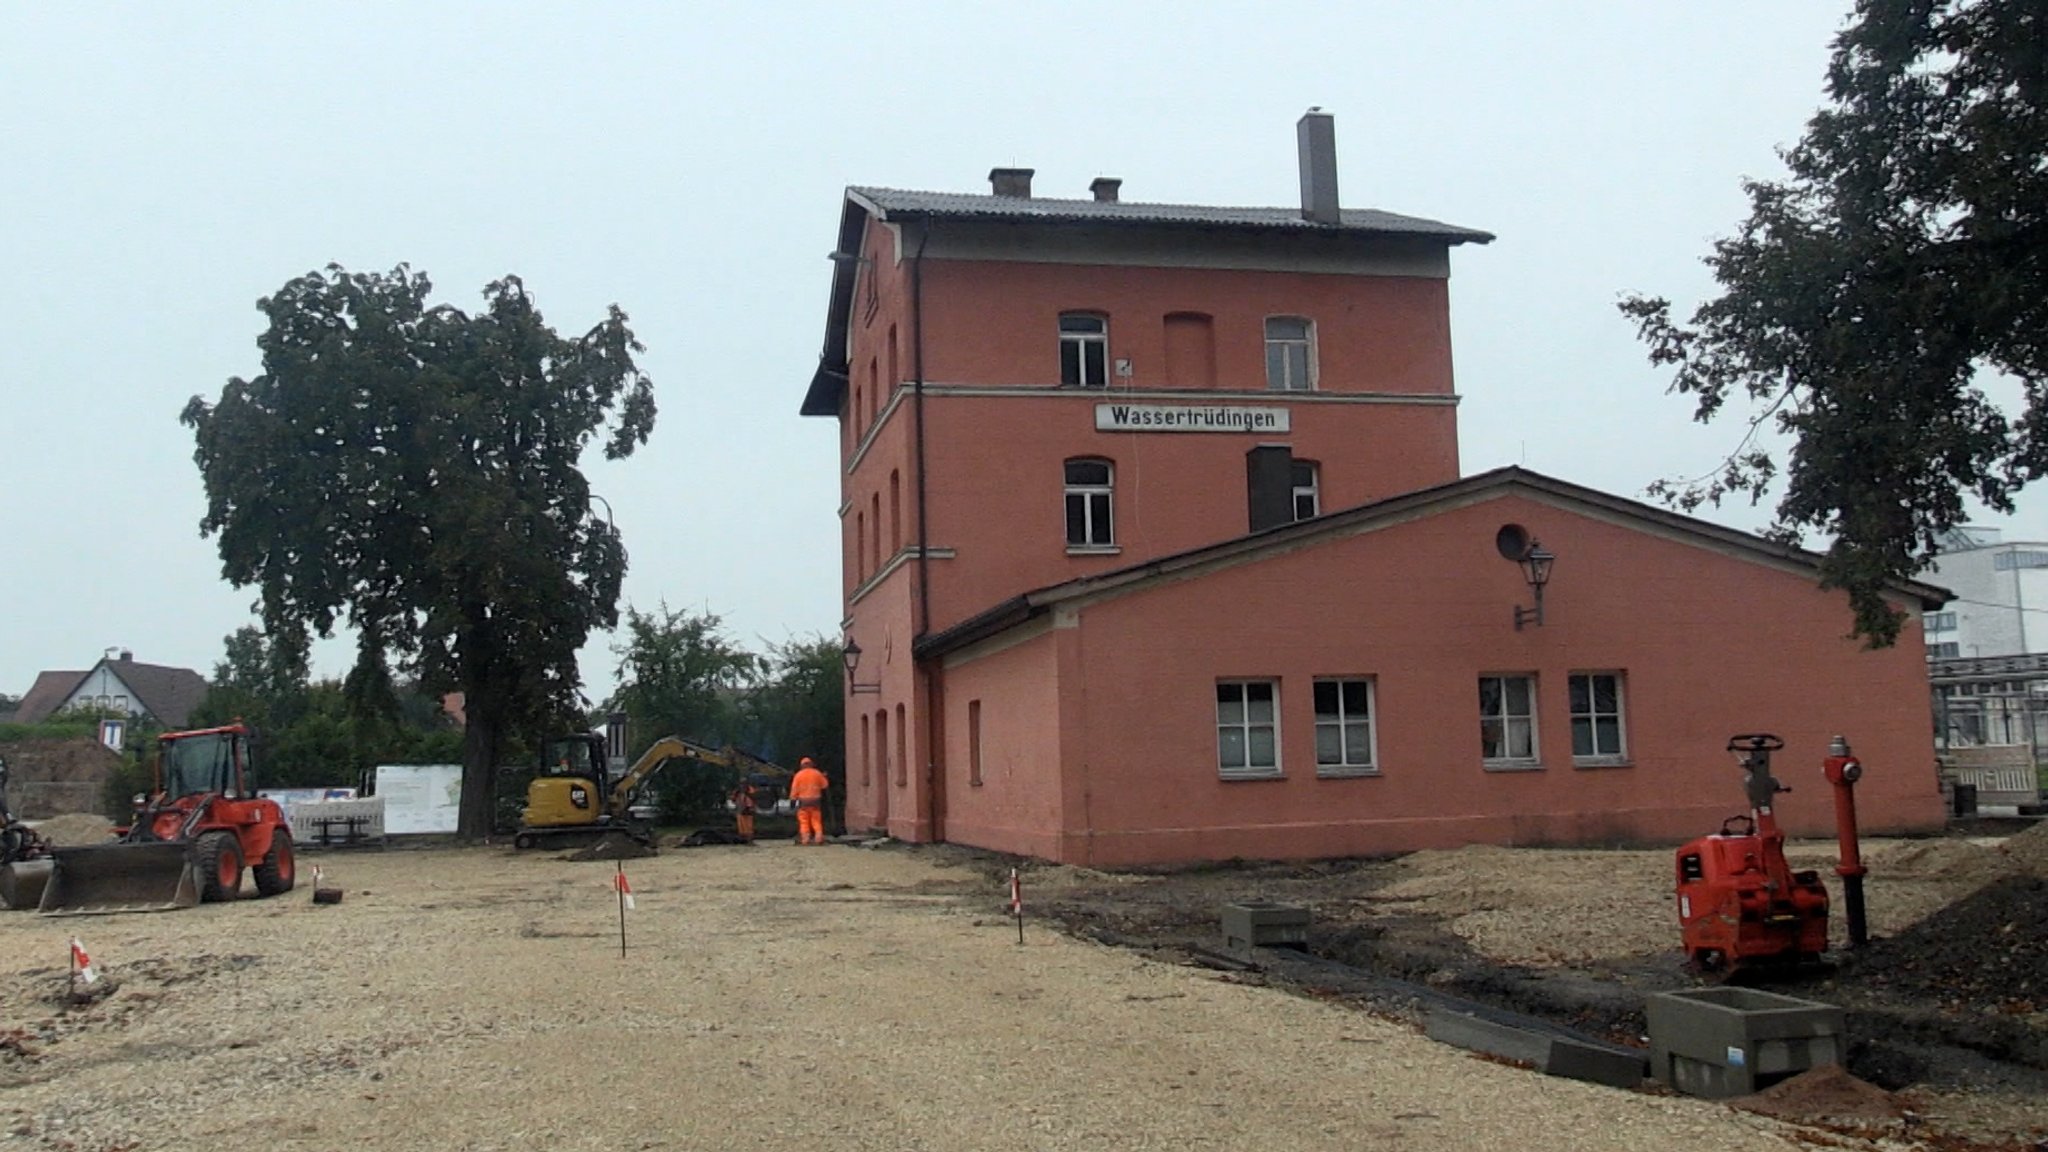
[807,784]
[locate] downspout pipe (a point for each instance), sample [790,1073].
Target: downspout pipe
[934,803]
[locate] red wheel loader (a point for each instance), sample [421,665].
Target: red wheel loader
[191,839]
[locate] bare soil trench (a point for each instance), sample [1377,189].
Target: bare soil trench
[1947,1005]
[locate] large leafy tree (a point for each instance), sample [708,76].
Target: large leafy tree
[1873,293]
[414,470]
[681,675]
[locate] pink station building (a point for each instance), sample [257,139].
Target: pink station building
[1157,549]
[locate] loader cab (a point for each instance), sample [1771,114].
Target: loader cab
[213,760]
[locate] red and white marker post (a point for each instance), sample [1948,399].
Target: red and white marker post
[81,966]
[625,891]
[1017,902]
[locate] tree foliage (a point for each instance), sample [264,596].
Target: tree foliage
[310,734]
[681,675]
[1870,294]
[800,710]
[414,471]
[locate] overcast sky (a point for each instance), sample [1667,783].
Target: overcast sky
[166,165]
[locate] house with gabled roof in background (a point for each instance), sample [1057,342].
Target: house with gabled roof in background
[117,683]
[1156,548]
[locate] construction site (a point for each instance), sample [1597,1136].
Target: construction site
[876,995]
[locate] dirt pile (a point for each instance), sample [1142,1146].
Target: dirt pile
[75,829]
[1959,863]
[2029,850]
[1986,952]
[1828,1094]
[612,848]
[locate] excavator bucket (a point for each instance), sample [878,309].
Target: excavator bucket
[22,883]
[120,878]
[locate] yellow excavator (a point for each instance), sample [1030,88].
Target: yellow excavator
[573,803]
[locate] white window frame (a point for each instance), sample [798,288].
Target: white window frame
[1091,349]
[1508,721]
[1246,728]
[1098,507]
[1304,344]
[1352,760]
[1592,715]
[1312,491]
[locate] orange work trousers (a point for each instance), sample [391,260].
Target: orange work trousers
[745,820]
[810,824]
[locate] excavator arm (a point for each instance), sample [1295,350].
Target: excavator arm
[669,748]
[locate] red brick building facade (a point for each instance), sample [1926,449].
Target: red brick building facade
[1157,549]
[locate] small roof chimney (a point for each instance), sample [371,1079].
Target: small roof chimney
[1011,181]
[1316,135]
[1105,188]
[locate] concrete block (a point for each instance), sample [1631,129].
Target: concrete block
[1721,1042]
[1551,1053]
[1263,924]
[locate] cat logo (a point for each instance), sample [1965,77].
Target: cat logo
[579,796]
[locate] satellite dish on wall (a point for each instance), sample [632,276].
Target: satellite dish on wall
[1513,542]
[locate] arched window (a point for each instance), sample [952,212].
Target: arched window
[860,547]
[895,511]
[882,743]
[1090,486]
[1084,350]
[1290,354]
[902,753]
[1190,350]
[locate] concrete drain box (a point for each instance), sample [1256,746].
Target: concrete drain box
[1263,924]
[1721,1042]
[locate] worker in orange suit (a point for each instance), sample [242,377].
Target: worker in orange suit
[807,791]
[743,810]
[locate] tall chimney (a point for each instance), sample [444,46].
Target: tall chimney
[1316,135]
[1011,181]
[1105,188]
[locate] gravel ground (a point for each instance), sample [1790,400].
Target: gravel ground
[771,996]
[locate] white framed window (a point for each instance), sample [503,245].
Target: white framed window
[1599,718]
[1290,354]
[1308,495]
[1944,649]
[1247,728]
[1938,621]
[1090,491]
[1344,728]
[1507,721]
[1084,350]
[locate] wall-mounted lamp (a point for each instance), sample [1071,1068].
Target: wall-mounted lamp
[852,658]
[847,258]
[1536,570]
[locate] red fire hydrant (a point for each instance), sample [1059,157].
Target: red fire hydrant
[1842,771]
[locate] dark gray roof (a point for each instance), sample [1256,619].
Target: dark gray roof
[45,695]
[169,694]
[894,202]
[1037,602]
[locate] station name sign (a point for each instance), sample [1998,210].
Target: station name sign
[1188,418]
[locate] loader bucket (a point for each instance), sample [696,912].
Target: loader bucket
[120,878]
[22,882]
